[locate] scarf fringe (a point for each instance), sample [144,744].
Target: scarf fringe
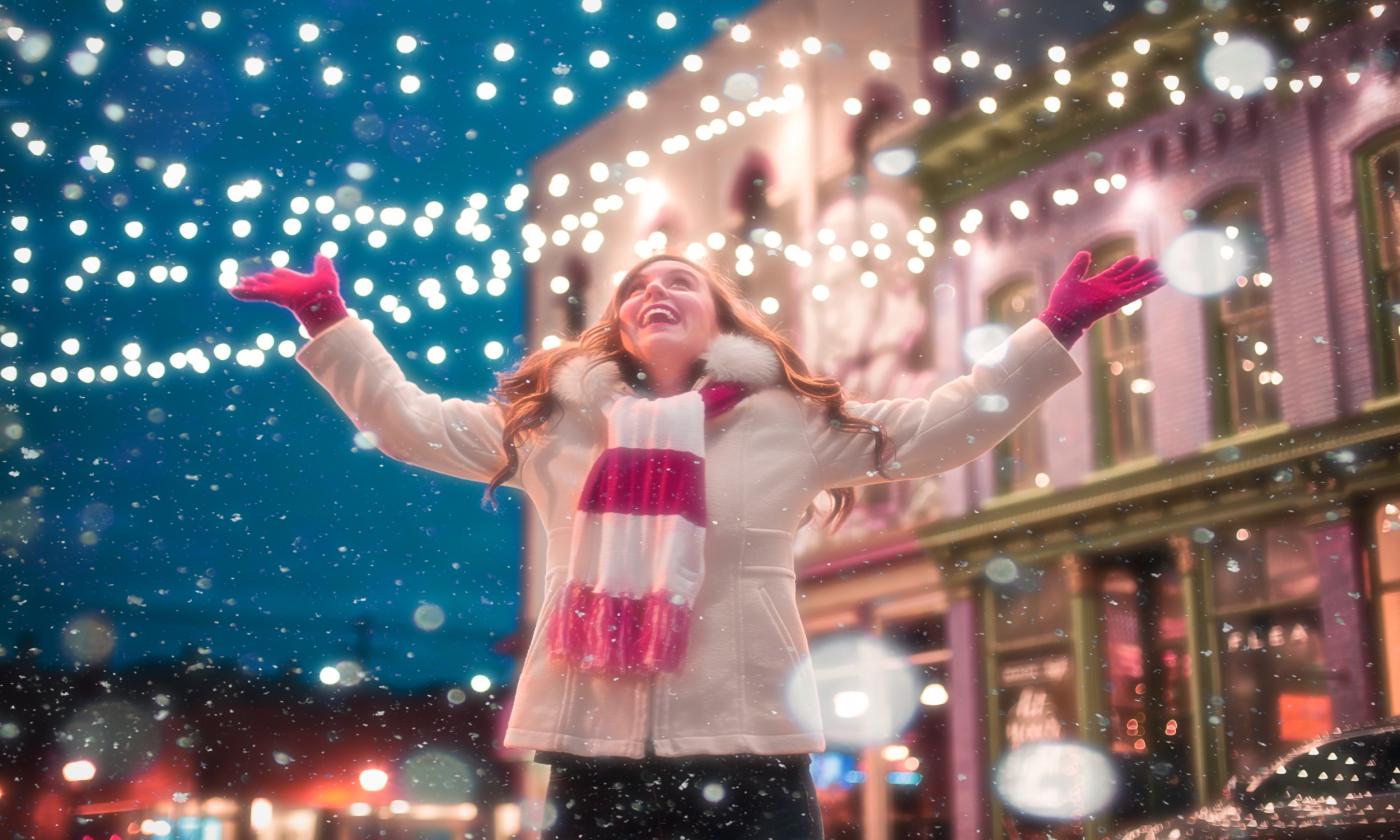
[615,634]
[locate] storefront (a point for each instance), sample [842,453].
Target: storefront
[1385,546]
[916,767]
[1275,682]
[1031,668]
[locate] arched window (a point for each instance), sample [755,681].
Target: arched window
[1159,155]
[881,103]
[1239,322]
[576,298]
[1021,456]
[1388,54]
[1220,130]
[1378,172]
[749,195]
[1253,119]
[1118,347]
[1190,142]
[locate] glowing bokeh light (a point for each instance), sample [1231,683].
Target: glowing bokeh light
[1203,262]
[1243,62]
[1056,780]
[985,342]
[868,692]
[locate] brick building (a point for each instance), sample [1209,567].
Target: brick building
[1187,559]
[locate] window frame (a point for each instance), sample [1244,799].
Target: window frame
[1385,345]
[1228,419]
[1105,416]
[1029,436]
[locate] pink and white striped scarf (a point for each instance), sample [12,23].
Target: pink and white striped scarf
[636,559]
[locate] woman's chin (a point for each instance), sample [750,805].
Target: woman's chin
[664,342]
[664,337]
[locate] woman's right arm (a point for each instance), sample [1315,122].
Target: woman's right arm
[453,436]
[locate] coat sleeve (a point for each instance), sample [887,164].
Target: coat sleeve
[453,436]
[955,424]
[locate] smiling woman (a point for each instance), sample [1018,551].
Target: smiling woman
[662,440]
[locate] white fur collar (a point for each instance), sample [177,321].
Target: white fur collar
[731,357]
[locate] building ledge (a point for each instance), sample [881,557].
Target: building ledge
[1123,468]
[1380,402]
[1260,433]
[1023,495]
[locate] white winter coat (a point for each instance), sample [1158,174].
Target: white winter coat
[747,684]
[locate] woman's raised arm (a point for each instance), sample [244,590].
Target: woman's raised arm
[453,436]
[968,416]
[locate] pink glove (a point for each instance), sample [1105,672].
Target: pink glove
[314,298]
[1076,303]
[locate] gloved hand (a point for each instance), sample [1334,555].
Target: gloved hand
[314,298]
[1076,303]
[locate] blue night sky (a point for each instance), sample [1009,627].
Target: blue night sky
[230,510]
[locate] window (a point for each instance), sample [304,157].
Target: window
[1033,608]
[881,104]
[1387,56]
[1021,456]
[918,782]
[749,195]
[1239,323]
[1253,120]
[1147,704]
[1033,684]
[1387,541]
[1118,347]
[1159,155]
[1190,142]
[576,298]
[1378,168]
[1274,674]
[1220,130]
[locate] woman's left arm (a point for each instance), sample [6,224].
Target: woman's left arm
[966,417]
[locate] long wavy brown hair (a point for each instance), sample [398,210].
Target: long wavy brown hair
[524,393]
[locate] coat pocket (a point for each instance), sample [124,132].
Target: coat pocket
[775,618]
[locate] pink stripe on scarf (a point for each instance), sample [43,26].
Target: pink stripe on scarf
[646,482]
[615,634]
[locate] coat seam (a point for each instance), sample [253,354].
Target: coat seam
[807,436]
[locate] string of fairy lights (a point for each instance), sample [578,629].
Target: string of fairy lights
[1237,73]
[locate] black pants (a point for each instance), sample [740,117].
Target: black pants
[735,797]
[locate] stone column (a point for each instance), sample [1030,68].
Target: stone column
[874,791]
[1088,663]
[967,723]
[1347,632]
[1208,760]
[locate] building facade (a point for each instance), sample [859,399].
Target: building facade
[1187,560]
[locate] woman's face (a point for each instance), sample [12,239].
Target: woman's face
[666,315]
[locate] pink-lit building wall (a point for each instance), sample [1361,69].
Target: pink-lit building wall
[1297,149]
[1301,163]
